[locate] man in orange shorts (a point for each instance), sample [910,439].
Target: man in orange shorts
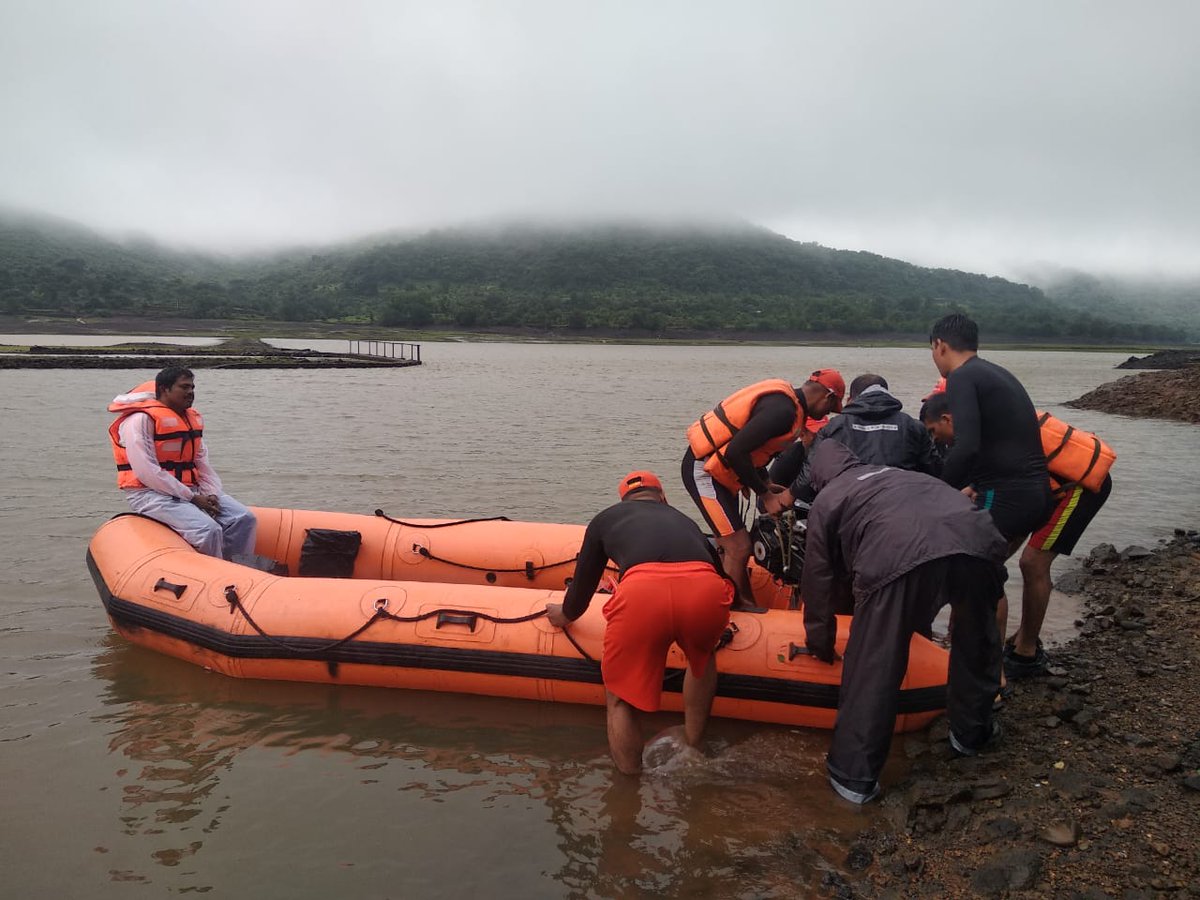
[670,590]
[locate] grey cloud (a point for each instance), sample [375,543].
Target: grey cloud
[981,135]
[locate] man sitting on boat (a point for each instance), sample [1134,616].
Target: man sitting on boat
[670,590]
[163,469]
[908,544]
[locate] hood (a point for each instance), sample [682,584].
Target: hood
[133,399]
[829,460]
[874,402]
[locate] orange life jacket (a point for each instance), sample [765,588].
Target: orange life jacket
[177,438]
[711,433]
[1074,456]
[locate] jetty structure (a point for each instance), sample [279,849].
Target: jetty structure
[234,353]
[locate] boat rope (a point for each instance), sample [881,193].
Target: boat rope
[529,570]
[454,616]
[383,515]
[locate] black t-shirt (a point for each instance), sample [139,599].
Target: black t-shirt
[997,442]
[630,533]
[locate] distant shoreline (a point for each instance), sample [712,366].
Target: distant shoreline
[134,325]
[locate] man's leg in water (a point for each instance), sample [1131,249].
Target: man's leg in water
[624,735]
[698,696]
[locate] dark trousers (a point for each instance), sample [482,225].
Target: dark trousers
[877,658]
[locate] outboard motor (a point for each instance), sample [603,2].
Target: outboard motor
[778,544]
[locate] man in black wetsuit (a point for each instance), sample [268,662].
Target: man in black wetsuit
[729,448]
[997,455]
[670,590]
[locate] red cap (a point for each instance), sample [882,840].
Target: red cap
[636,481]
[831,379]
[815,425]
[937,389]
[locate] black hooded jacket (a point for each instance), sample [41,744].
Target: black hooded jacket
[872,524]
[876,429]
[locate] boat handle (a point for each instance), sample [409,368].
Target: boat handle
[795,650]
[468,619]
[163,585]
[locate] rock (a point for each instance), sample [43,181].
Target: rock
[1192,782]
[1100,554]
[1072,582]
[993,790]
[1067,706]
[1138,798]
[1135,551]
[1138,740]
[1168,762]
[995,829]
[860,857]
[1015,870]
[1051,722]
[1061,834]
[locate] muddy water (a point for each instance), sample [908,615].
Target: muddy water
[122,769]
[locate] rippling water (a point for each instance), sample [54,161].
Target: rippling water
[123,769]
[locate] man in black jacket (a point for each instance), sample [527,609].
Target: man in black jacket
[877,430]
[908,544]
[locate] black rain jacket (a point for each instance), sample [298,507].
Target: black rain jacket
[872,524]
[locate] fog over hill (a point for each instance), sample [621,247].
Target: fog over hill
[657,278]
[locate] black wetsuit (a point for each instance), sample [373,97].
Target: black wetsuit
[630,533]
[997,447]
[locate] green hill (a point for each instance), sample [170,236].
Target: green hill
[625,277]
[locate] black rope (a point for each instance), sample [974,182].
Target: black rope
[235,603]
[383,515]
[499,620]
[526,569]
[574,643]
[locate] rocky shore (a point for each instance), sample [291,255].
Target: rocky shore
[1169,394]
[1093,790]
[1162,359]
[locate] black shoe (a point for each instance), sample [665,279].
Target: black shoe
[1017,666]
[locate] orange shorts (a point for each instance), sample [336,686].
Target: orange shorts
[655,605]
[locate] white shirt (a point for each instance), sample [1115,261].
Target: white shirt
[137,436]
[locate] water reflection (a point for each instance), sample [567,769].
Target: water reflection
[753,818]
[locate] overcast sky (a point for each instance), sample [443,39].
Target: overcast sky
[978,135]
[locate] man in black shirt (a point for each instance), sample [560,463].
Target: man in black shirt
[670,590]
[997,455]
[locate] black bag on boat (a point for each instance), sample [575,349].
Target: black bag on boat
[329,553]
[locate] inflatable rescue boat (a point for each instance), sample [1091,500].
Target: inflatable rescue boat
[455,605]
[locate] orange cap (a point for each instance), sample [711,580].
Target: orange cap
[637,480]
[937,389]
[831,379]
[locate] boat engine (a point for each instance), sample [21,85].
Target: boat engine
[778,543]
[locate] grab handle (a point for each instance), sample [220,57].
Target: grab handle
[795,650]
[177,589]
[447,618]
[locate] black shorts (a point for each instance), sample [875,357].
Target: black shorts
[1074,512]
[721,507]
[1017,512]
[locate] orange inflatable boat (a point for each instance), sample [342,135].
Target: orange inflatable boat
[444,606]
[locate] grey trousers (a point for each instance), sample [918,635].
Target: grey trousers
[877,656]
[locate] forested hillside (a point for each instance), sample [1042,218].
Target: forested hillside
[636,278]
